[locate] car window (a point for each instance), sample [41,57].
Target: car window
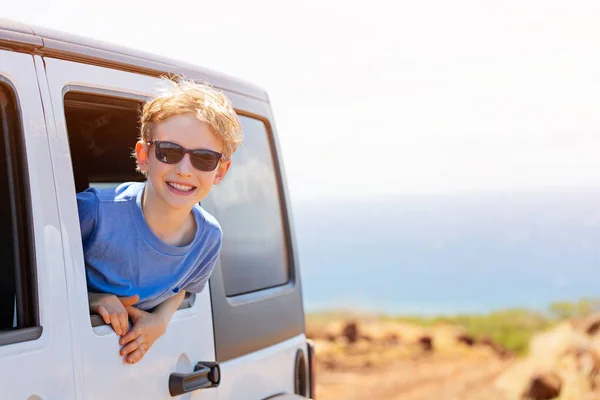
[18,293]
[247,204]
[103,131]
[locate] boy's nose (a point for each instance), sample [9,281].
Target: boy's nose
[184,167]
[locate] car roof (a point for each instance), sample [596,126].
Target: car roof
[52,43]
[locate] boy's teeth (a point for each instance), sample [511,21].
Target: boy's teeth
[183,188]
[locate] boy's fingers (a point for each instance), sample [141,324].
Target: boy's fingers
[123,321]
[114,319]
[130,300]
[135,356]
[104,314]
[131,335]
[132,346]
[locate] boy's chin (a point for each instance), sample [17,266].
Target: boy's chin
[186,204]
[178,202]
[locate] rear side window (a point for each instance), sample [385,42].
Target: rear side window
[18,294]
[248,206]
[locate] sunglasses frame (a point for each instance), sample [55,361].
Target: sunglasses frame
[191,152]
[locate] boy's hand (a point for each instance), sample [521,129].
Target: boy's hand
[112,309]
[147,328]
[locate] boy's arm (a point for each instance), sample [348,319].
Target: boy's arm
[167,308]
[148,327]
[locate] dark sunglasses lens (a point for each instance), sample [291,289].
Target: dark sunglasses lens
[205,160]
[169,153]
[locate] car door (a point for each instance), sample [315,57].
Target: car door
[36,359]
[189,338]
[255,288]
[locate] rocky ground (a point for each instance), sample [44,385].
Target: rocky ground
[370,358]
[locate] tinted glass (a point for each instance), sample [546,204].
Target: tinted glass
[247,205]
[17,305]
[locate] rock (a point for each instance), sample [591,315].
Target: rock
[543,386]
[350,331]
[498,349]
[587,363]
[591,325]
[466,339]
[426,343]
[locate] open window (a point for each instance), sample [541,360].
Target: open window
[19,317]
[103,131]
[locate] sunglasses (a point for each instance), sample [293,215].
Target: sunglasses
[172,153]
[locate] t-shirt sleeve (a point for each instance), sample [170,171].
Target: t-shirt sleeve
[87,205]
[206,265]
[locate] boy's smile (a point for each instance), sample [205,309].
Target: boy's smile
[181,188]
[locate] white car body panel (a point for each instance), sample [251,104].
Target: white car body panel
[48,357]
[261,374]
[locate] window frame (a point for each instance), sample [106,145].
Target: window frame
[283,211]
[107,94]
[26,281]
[249,322]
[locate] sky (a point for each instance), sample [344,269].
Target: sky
[385,98]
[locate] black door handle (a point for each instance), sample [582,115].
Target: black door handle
[206,375]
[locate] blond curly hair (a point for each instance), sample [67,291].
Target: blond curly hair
[178,96]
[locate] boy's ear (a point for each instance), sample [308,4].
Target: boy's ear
[221,171]
[141,151]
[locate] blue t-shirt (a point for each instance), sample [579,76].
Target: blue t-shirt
[124,257]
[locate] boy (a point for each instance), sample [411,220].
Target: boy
[146,244]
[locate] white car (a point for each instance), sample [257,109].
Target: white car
[69,111]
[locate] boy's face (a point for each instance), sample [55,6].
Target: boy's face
[181,185]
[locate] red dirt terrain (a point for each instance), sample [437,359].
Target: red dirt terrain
[431,378]
[382,360]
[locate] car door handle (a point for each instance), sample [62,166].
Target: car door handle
[206,375]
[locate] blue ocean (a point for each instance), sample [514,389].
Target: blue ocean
[447,254]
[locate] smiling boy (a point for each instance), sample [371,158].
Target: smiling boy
[146,244]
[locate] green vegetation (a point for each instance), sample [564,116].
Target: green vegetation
[514,328]
[567,310]
[511,329]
